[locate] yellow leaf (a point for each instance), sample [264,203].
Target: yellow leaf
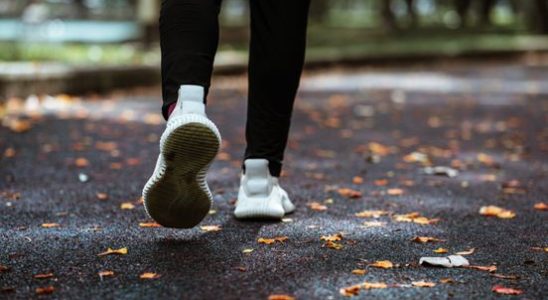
[359,271]
[248,250]
[332,238]
[383,264]
[333,245]
[127,205]
[121,251]
[495,211]
[394,192]
[423,284]
[350,193]
[149,275]
[50,225]
[441,250]
[210,228]
[351,290]
[426,239]
[414,217]
[317,206]
[269,241]
[371,213]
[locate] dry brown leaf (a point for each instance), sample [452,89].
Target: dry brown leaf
[350,291]
[50,225]
[489,269]
[43,276]
[349,193]
[149,225]
[269,241]
[121,251]
[19,126]
[499,289]
[9,153]
[495,211]
[127,205]
[371,213]
[414,217]
[4,269]
[317,206]
[423,284]
[380,182]
[383,264]
[426,239]
[374,285]
[359,271]
[466,252]
[357,180]
[332,238]
[281,297]
[502,276]
[441,250]
[106,274]
[541,206]
[45,290]
[149,275]
[210,228]
[447,280]
[333,245]
[379,149]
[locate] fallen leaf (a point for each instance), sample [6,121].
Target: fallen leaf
[353,290]
[394,192]
[489,269]
[371,213]
[495,211]
[281,297]
[106,274]
[373,224]
[127,205]
[383,264]
[9,153]
[102,196]
[414,217]
[359,271]
[357,180]
[210,228]
[269,241]
[441,250]
[81,162]
[45,290]
[149,275]
[317,206]
[380,182]
[499,289]
[349,193]
[121,251]
[4,269]
[149,225]
[426,239]
[43,276]
[332,238]
[50,225]
[374,285]
[423,284]
[501,276]
[447,280]
[19,126]
[467,252]
[248,250]
[541,206]
[333,245]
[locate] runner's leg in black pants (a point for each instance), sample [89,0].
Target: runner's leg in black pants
[189,33]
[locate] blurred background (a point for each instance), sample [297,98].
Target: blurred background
[50,37]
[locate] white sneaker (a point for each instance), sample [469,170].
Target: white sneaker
[260,195]
[177,194]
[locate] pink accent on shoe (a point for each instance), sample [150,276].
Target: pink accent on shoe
[171,108]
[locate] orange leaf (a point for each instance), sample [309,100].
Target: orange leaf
[333,245]
[489,269]
[102,196]
[394,192]
[383,264]
[441,250]
[426,239]
[127,205]
[106,274]
[81,162]
[423,284]
[43,276]
[499,289]
[317,206]
[268,241]
[332,238]
[359,271]
[50,225]
[351,290]
[45,290]
[121,251]
[541,206]
[357,180]
[149,275]
[280,297]
[495,211]
[149,225]
[350,193]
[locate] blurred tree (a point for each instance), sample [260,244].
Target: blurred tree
[148,15]
[319,9]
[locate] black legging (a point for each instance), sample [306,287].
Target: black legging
[189,31]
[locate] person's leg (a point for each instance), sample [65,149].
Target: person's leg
[189,34]
[278,40]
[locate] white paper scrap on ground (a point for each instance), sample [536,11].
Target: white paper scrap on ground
[450,261]
[441,170]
